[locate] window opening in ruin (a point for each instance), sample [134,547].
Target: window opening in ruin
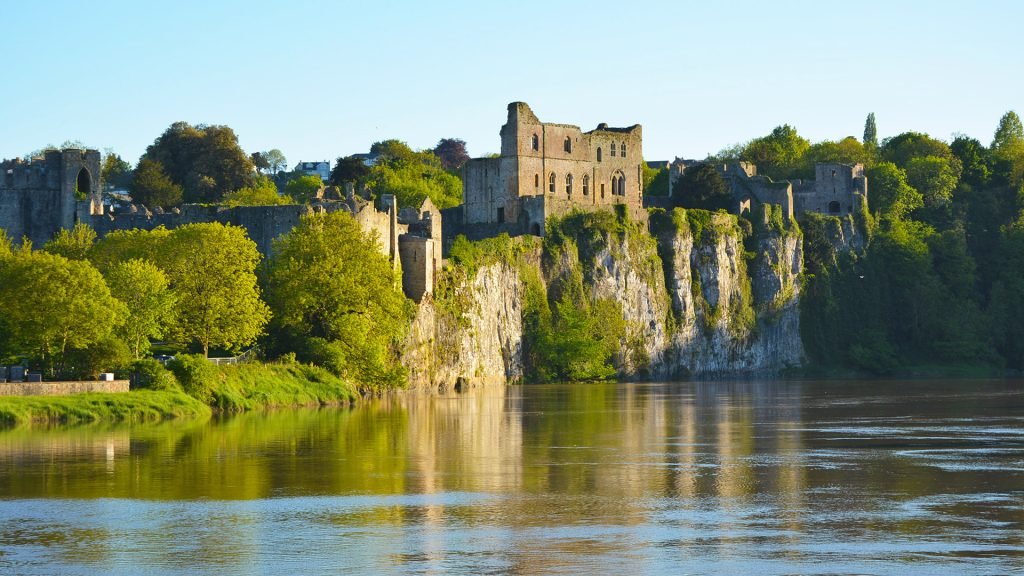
[535,142]
[551,183]
[586,184]
[84,184]
[613,149]
[602,190]
[536,181]
[623,149]
[622,186]
[598,153]
[501,214]
[568,144]
[568,184]
[833,207]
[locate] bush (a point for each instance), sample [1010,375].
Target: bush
[149,374]
[107,355]
[196,374]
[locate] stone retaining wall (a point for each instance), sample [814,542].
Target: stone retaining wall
[60,388]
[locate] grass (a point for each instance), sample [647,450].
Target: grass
[235,388]
[245,387]
[136,406]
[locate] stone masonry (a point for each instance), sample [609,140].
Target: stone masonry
[548,169]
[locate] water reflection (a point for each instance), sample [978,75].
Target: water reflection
[767,477]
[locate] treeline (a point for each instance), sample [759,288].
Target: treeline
[80,306]
[940,278]
[205,164]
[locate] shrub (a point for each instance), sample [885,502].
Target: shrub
[196,374]
[149,374]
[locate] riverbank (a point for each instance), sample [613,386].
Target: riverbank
[236,388]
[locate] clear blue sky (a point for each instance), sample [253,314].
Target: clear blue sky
[324,79]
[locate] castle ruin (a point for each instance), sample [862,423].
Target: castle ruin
[40,197]
[548,169]
[43,195]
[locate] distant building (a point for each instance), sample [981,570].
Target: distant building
[321,169]
[369,159]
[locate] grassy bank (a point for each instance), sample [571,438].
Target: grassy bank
[196,395]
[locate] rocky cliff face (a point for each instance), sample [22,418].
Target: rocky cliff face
[695,299]
[480,344]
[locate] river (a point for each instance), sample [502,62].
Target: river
[752,477]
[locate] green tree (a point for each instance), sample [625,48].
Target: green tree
[123,245]
[275,160]
[891,195]
[303,188]
[846,151]
[413,177]
[263,192]
[152,187]
[212,271]
[779,155]
[348,169]
[144,289]
[935,178]
[50,304]
[259,160]
[903,148]
[870,132]
[975,159]
[116,172]
[328,281]
[206,161]
[701,186]
[73,244]
[1009,133]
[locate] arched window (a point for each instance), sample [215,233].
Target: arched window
[84,183]
[613,149]
[833,207]
[598,153]
[586,184]
[623,149]
[551,183]
[568,145]
[615,184]
[535,142]
[568,184]
[622,185]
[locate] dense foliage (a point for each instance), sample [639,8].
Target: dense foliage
[939,281]
[205,161]
[337,300]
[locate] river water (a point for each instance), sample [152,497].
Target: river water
[840,477]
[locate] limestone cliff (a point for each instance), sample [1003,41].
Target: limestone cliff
[698,297]
[479,344]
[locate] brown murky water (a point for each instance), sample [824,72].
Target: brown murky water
[852,477]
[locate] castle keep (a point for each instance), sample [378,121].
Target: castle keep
[547,169]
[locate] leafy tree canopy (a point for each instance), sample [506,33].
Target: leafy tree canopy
[206,161]
[329,281]
[262,193]
[145,291]
[452,153]
[152,187]
[701,186]
[303,188]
